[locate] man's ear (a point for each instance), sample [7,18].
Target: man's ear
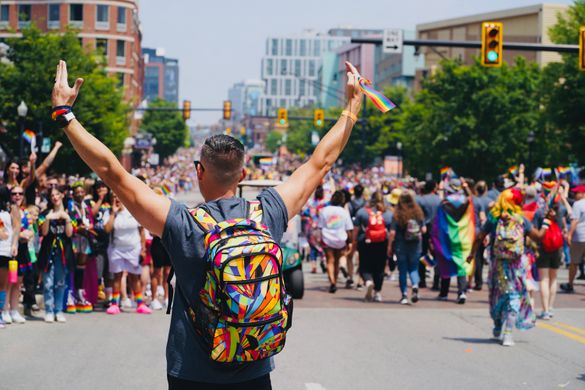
[243,175]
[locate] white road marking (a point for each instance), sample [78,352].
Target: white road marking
[314,386]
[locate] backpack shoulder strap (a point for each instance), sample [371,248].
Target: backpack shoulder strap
[255,211]
[203,219]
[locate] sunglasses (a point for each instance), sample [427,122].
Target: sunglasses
[198,165]
[16,193]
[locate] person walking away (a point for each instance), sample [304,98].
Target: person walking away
[336,233]
[355,205]
[510,304]
[408,227]
[576,237]
[370,238]
[56,258]
[481,203]
[429,202]
[311,221]
[453,235]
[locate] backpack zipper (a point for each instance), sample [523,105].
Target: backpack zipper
[258,323]
[257,280]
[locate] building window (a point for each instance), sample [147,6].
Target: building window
[303,47]
[301,87]
[120,52]
[54,17]
[4,15]
[269,67]
[101,46]
[288,47]
[120,79]
[275,47]
[121,21]
[24,15]
[76,15]
[317,48]
[283,67]
[288,87]
[311,68]
[298,67]
[102,21]
[273,87]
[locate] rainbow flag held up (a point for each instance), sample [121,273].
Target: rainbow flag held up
[165,189]
[28,135]
[546,172]
[445,172]
[382,102]
[513,170]
[563,170]
[266,161]
[453,239]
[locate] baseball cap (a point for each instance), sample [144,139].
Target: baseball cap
[454,187]
[578,189]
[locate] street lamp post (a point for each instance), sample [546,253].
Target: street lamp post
[399,149]
[530,139]
[22,110]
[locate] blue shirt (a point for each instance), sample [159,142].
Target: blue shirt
[183,239]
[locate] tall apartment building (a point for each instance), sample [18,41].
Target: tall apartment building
[161,76]
[526,24]
[246,98]
[290,69]
[112,26]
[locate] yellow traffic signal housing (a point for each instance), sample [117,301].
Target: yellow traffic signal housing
[492,41]
[227,110]
[186,109]
[582,48]
[228,130]
[242,131]
[282,117]
[319,118]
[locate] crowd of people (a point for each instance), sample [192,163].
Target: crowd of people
[523,230]
[71,240]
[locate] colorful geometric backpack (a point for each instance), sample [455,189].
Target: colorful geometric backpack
[243,311]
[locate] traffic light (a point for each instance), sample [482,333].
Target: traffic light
[582,48]
[228,130]
[319,118]
[242,131]
[186,109]
[227,110]
[492,40]
[282,117]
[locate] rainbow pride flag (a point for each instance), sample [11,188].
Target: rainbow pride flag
[382,102]
[564,170]
[513,170]
[446,172]
[453,239]
[165,189]
[266,161]
[28,135]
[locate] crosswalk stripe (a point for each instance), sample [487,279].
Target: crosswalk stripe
[561,332]
[571,328]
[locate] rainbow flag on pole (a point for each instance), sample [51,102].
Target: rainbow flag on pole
[29,135]
[165,189]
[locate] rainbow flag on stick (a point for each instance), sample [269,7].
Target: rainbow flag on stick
[165,189]
[513,170]
[445,172]
[382,102]
[29,136]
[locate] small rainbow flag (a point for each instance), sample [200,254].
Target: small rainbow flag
[546,172]
[564,170]
[382,102]
[165,189]
[513,170]
[29,135]
[445,172]
[266,161]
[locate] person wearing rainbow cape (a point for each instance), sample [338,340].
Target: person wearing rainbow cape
[510,303]
[452,235]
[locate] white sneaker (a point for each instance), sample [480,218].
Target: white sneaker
[49,318]
[127,303]
[156,305]
[404,300]
[6,317]
[462,298]
[545,316]
[160,291]
[377,297]
[16,317]
[507,340]
[369,290]
[60,317]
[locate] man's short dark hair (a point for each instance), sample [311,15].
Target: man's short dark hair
[224,156]
[337,198]
[358,191]
[429,186]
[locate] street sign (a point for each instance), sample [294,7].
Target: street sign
[392,41]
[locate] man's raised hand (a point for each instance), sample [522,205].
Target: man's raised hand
[353,91]
[63,94]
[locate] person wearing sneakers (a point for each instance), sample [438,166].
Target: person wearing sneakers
[371,239]
[126,247]
[219,171]
[56,256]
[407,229]
[8,246]
[576,237]
[336,232]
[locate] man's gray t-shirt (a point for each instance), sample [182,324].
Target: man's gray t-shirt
[429,203]
[183,239]
[579,215]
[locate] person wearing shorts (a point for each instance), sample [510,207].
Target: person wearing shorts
[126,247]
[161,268]
[576,237]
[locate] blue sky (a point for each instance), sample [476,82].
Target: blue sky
[219,43]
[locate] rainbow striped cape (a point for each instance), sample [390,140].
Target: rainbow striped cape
[453,238]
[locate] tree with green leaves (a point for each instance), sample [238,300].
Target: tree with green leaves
[167,126]
[273,140]
[100,106]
